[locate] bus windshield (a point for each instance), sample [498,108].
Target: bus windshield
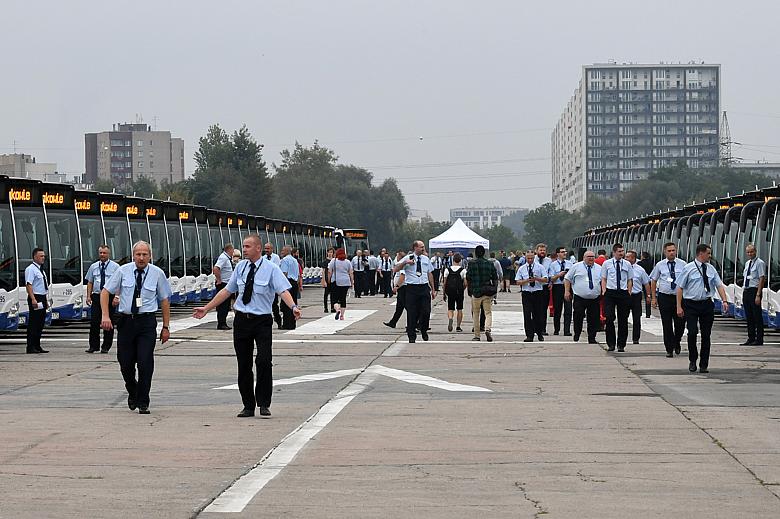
[205,248]
[64,254]
[216,245]
[717,246]
[176,249]
[193,251]
[741,256]
[7,255]
[139,231]
[159,245]
[773,226]
[30,233]
[91,228]
[118,238]
[729,247]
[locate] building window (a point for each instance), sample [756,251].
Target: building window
[140,154]
[140,164]
[139,143]
[151,163]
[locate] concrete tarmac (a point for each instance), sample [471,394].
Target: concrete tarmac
[565,430]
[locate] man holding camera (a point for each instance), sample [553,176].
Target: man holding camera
[556,272]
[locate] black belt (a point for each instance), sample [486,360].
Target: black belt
[139,315]
[250,316]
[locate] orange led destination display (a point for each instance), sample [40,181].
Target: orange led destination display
[108,207]
[151,211]
[184,215]
[20,195]
[83,205]
[132,210]
[53,198]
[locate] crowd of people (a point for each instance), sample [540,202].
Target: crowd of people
[600,290]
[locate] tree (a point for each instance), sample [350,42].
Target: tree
[502,238]
[178,192]
[142,186]
[231,174]
[103,186]
[550,225]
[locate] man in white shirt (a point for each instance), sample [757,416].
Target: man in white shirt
[223,269]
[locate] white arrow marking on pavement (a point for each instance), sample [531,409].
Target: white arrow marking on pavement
[241,492]
[328,325]
[306,378]
[508,323]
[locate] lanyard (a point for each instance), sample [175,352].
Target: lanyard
[256,270]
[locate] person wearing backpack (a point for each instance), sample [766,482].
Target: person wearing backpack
[455,290]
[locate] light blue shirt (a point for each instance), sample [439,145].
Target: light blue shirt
[386,264]
[339,272]
[275,259]
[662,275]
[373,263]
[411,276]
[692,283]
[754,270]
[555,268]
[225,265]
[580,284]
[290,267]
[640,279]
[154,288]
[93,274]
[609,272]
[33,275]
[269,281]
[357,264]
[537,271]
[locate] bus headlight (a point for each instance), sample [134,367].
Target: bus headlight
[13,311]
[78,302]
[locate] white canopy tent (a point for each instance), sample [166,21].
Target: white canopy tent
[459,236]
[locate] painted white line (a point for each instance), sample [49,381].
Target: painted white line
[306,378]
[508,323]
[394,302]
[238,495]
[328,325]
[178,325]
[395,349]
[654,326]
[414,378]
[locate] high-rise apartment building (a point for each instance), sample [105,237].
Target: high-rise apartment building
[131,151]
[482,217]
[627,120]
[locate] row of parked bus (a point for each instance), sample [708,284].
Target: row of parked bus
[726,224]
[70,224]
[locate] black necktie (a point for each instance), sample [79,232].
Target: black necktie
[563,266]
[102,275]
[531,275]
[137,292]
[672,275]
[268,256]
[45,281]
[617,270]
[419,265]
[746,284]
[590,277]
[705,278]
[250,285]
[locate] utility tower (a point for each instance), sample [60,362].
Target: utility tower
[726,159]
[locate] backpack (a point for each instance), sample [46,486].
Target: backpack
[454,281]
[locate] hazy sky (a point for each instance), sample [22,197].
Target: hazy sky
[482,83]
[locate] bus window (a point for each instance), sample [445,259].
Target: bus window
[139,230]
[729,249]
[118,238]
[774,256]
[176,249]
[64,254]
[193,251]
[205,248]
[159,245]
[30,233]
[91,228]
[7,255]
[716,242]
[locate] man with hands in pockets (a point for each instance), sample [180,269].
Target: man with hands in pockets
[255,282]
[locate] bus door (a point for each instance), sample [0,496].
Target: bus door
[747,233]
[92,235]
[158,236]
[213,220]
[176,252]
[189,231]
[9,275]
[202,286]
[64,252]
[29,219]
[136,215]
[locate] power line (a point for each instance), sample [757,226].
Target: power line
[452,164]
[528,188]
[469,175]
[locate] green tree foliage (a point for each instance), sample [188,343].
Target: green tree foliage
[311,186]
[667,188]
[143,186]
[502,238]
[103,186]
[231,174]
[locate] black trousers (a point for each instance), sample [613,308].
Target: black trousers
[546,297]
[648,304]
[360,281]
[673,326]
[589,309]
[135,347]
[385,282]
[370,282]
[753,315]
[288,317]
[223,308]
[400,305]
[621,301]
[248,330]
[534,313]
[325,294]
[561,306]
[699,315]
[436,277]
[275,311]
[636,316]
[94,325]
[418,309]
[35,322]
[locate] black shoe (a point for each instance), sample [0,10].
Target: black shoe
[489,337]
[636,342]
[749,342]
[412,341]
[621,349]
[541,337]
[103,351]
[32,352]
[577,338]
[567,334]
[703,370]
[677,350]
[692,367]
[91,351]
[336,317]
[458,329]
[246,413]
[41,350]
[670,355]
[593,341]
[758,343]
[223,327]
[389,325]
[143,410]
[528,339]
[264,411]
[131,403]
[326,311]
[424,335]
[610,348]
[476,339]
[556,333]
[544,333]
